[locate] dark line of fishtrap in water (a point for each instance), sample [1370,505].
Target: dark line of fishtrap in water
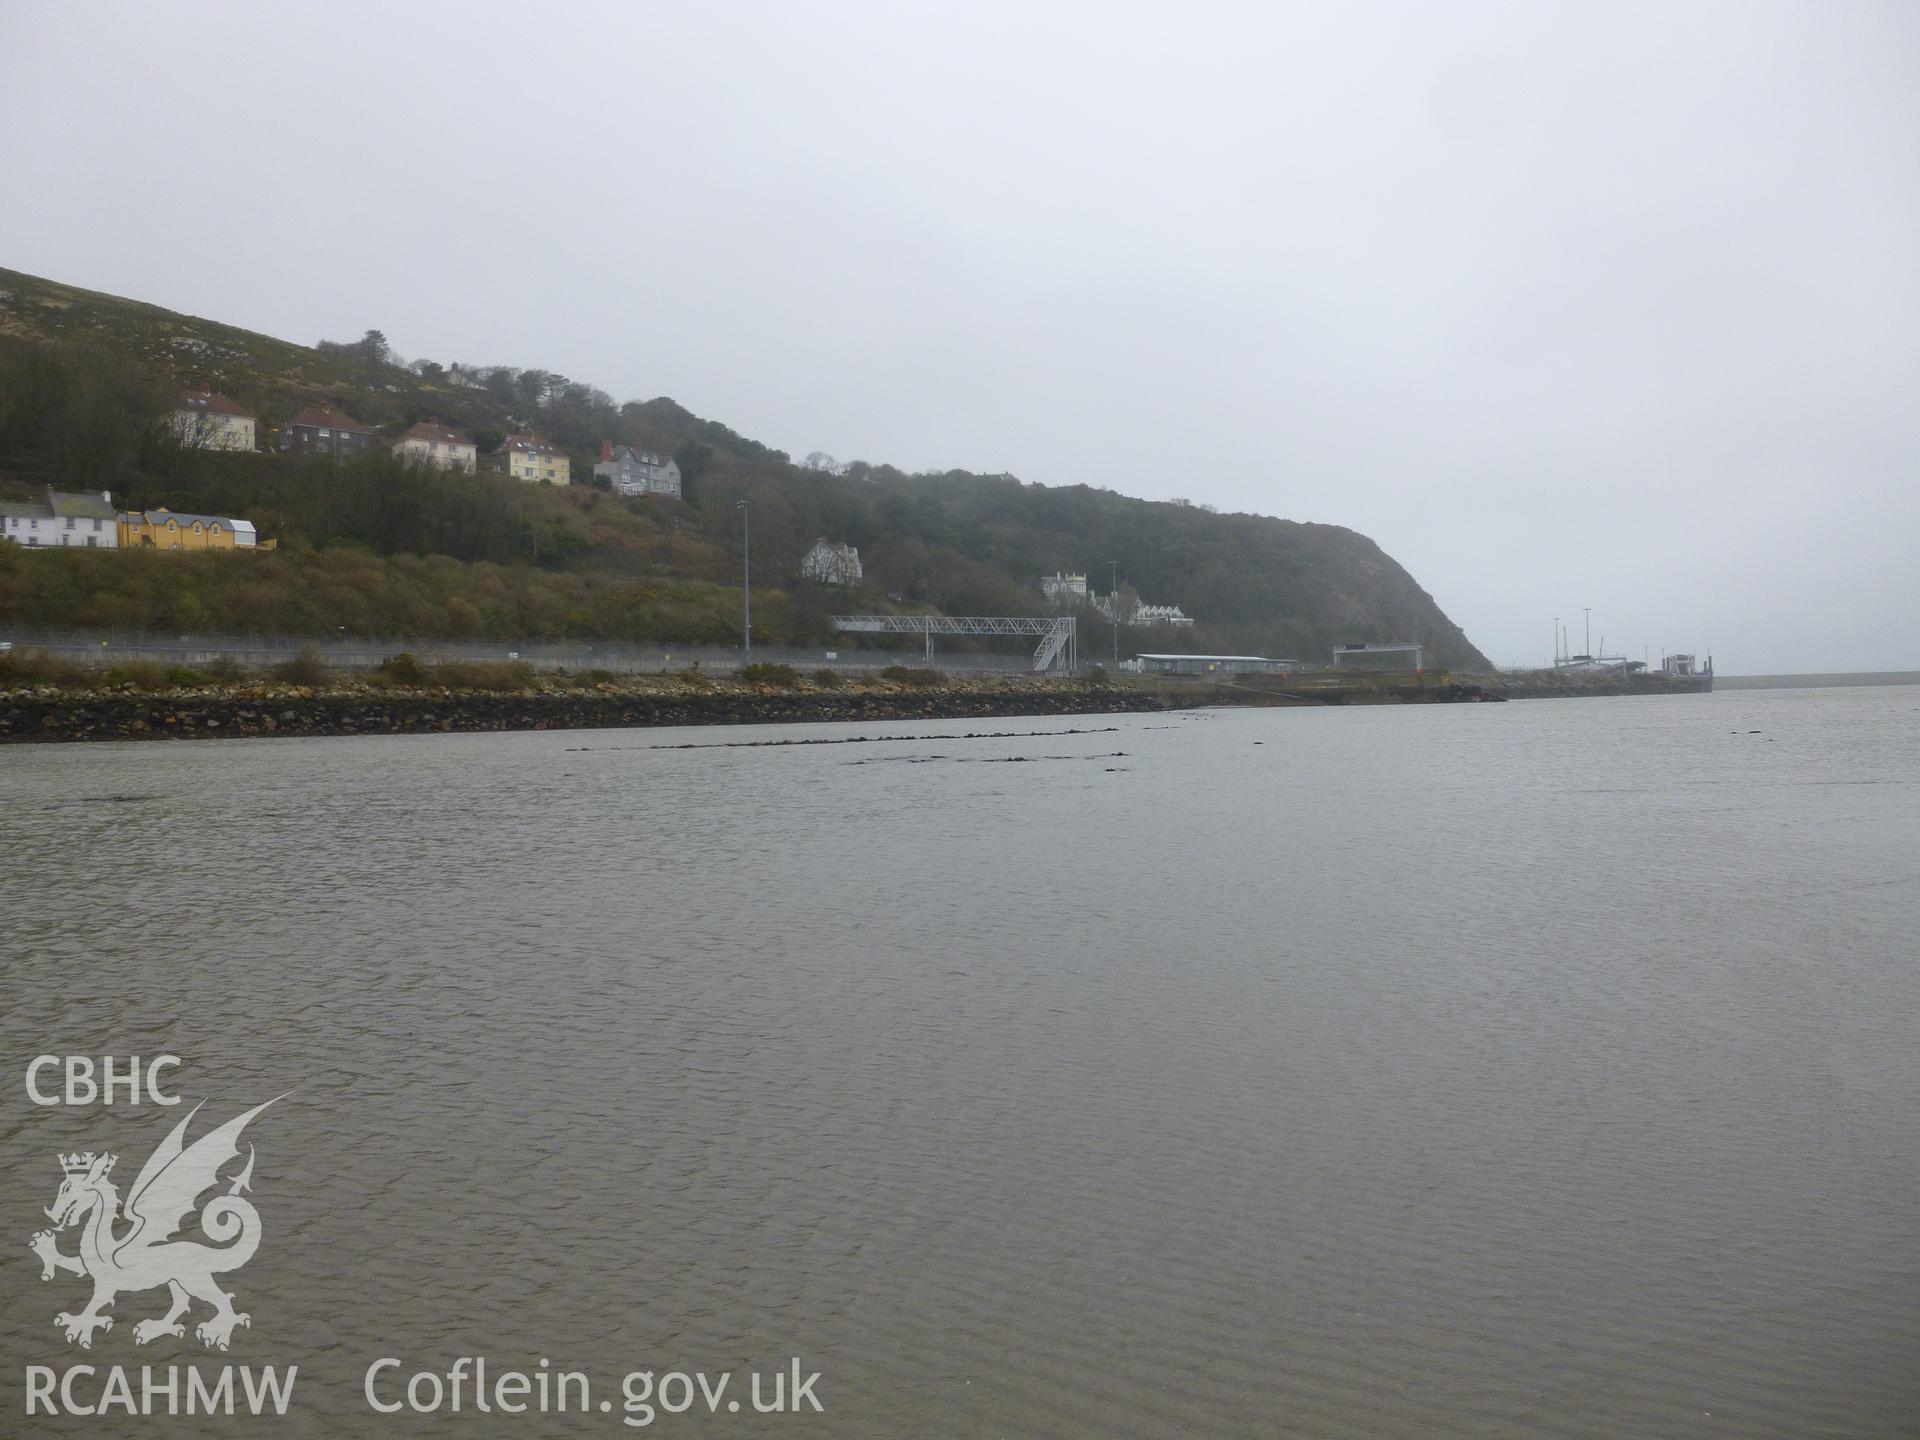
[845,740]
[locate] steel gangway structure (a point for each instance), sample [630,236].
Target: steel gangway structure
[1058,634]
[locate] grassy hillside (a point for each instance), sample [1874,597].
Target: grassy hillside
[374,546]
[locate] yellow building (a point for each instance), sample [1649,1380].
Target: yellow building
[163,530]
[528,457]
[204,419]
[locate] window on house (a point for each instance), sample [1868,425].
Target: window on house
[93,539]
[70,522]
[96,525]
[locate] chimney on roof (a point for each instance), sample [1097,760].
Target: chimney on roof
[606,449]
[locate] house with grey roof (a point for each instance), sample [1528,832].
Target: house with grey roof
[84,520]
[27,522]
[831,562]
[633,471]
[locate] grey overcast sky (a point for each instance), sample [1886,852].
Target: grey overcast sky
[1565,304]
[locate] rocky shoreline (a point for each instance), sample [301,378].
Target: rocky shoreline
[1545,685]
[64,715]
[53,713]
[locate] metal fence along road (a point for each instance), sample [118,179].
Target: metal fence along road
[363,652]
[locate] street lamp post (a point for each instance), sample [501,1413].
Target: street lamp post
[1113,599]
[746,579]
[1589,614]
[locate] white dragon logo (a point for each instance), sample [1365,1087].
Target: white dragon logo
[145,1256]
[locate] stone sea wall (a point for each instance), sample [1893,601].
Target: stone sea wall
[57,713]
[48,714]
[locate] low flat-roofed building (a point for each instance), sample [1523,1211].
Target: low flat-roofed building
[1214,665]
[1377,657]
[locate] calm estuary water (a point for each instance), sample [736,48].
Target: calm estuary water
[1541,1069]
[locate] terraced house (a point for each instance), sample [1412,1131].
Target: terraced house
[162,529]
[432,443]
[322,430]
[83,521]
[204,419]
[528,457]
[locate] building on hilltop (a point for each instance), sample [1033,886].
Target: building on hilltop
[432,443]
[1064,589]
[204,419]
[633,471]
[162,529]
[64,520]
[322,430]
[1134,611]
[1144,614]
[528,457]
[831,562]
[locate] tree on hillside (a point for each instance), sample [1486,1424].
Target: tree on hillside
[693,458]
[370,349]
[77,413]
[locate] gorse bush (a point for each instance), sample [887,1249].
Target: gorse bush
[401,669]
[912,675]
[483,675]
[826,676]
[306,668]
[140,674]
[768,674]
[41,667]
